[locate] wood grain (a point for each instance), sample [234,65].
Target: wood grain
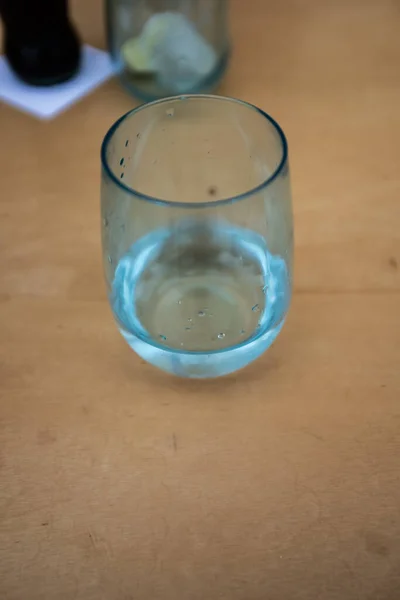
[282,482]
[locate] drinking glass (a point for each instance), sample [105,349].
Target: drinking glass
[166,47]
[197,232]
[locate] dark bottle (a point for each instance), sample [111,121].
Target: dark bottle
[40,44]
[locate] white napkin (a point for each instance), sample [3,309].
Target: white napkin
[47,102]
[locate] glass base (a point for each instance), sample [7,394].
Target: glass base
[199,365]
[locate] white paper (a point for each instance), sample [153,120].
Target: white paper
[47,102]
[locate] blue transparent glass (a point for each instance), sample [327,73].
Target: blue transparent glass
[166,47]
[197,232]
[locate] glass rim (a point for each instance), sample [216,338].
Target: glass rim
[211,203]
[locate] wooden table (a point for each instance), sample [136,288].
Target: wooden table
[279,483]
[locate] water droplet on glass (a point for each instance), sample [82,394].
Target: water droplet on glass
[138,136]
[109,259]
[201,313]
[170,112]
[126,143]
[264,287]
[255,308]
[221,336]
[179,301]
[188,328]
[121,162]
[242,332]
[122,175]
[163,337]
[190,320]
[105,222]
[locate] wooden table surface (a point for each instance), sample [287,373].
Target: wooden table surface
[279,483]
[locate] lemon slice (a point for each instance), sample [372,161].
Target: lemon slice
[136,56]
